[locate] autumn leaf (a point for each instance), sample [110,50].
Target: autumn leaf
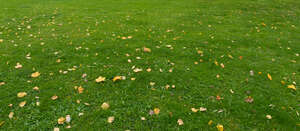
[269,117]
[110,119]
[210,122]
[156,111]
[202,109]
[21,94]
[35,74]
[100,79]
[180,122]
[11,115]
[54,97]
[194,110]
[147,49]
[220,127]
[105,106]
[292,87]
[116,78]
[18,66]
[61,120]
[269,76]
[80,89]
[22,104]
[249,99]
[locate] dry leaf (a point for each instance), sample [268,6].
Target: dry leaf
[100,79]
[269,76]
[137,70]
[220,127]
[22,104]
[269,117]
[54,97]
[194,110]
[202,109]
[156,111]
[35,74]
[61,120]
[292,87]
[56,129]
[180,122]
[18,66]
[210,122]
[36,88]
[147,49]
[11,115]
[110,119]
[80,89]
[105,106]
[117,78]
[68,118]
[21,94]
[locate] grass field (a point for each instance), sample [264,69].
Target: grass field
[167,64]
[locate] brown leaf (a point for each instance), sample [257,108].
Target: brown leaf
[147,49]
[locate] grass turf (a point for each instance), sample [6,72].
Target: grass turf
[193,38]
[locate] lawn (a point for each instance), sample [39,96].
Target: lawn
[150,65]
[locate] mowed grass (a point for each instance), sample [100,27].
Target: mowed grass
[207,49]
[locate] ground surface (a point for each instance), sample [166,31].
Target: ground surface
[212,54]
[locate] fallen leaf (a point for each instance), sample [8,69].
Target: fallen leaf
[156,111]
[105,106]
[292,87]
[202,109]
[68,118]
[147,49]
[269,76]
[100,79]
[80,89]
[54,97]
[36,88]
[11,115]
[18,66]
[56,129]
[220,127]
[269,117]
[117,78]
[61,120]
[22,104]
[194,110]
[35,74]
[110,119]
[2,122]
[180,122]
[21,94]
[210,122]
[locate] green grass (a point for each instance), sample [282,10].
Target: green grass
[260,35]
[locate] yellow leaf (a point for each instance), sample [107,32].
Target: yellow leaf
[18,66]
[210,122]
[54,97]
[117,78]
[147,49]
[292,87]
[21,94]
[105,106]
[194,110]
[110,119]
[2,122]
[61,120]
[269,76]
[180,122]
[35,74]
[80,89]
[22,104]
[220,127]
[100,79]
[11,115]
[156,111]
